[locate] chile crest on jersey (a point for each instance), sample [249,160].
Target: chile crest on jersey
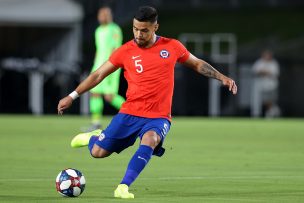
[164,53]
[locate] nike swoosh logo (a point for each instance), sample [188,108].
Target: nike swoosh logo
[142,159]
[134,57]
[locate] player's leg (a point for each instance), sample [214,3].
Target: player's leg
[90,139]
[153,136]
[271,108]
[82,139]
[96,101]
[115,138]
[95,150]
[96,109]
[137,163]
[141,157]
[115,100]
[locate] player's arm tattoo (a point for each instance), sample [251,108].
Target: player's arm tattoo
[208,71]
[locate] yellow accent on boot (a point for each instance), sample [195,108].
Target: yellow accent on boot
[122,191]
[83,139]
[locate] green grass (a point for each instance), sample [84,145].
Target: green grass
[207,160]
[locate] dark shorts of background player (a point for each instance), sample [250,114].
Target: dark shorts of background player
[124,129]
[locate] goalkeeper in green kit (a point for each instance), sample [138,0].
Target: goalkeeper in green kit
[108,37]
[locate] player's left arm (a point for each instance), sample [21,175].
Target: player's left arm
[204,68]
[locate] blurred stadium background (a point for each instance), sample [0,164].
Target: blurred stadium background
[47,47]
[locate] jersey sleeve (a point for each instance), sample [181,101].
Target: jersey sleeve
[117,37]
[117,57]
[181,51]
[98,39]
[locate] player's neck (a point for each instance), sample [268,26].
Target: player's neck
[152,41]
[106,23]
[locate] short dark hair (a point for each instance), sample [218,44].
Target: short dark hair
[146,14]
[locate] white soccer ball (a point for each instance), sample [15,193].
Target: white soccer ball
[70,182]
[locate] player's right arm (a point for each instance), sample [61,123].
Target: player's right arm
[91,81]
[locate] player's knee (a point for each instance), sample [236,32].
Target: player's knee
[95,95]
[151,139]
[99,153]
[108,97]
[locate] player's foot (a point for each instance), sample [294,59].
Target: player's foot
[83,139]
[122,191]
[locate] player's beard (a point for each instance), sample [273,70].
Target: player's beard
[141,43]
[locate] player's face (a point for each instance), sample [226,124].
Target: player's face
[267,55]
[144,32]
[104,15]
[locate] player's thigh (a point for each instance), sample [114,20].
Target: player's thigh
[109,145]
[100,152]
[121,133]
[155,131]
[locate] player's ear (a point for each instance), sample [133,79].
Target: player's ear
[156,27]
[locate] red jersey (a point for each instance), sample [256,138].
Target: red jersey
[150,76]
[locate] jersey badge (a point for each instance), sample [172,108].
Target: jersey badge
[101,136]
[164,53]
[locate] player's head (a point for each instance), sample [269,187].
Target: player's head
[267,55]
[105,15]
[145,25]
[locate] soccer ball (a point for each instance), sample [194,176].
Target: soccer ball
[70,182]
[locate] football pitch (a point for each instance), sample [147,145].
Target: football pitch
[206,160]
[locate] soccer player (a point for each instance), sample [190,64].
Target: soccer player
[266,71]
[148,61]
[108,37]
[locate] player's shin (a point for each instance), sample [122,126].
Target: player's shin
[137,164]
[96,109]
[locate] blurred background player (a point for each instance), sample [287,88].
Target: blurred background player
[266,71]
[108,37]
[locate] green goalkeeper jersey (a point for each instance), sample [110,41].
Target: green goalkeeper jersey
[107,38]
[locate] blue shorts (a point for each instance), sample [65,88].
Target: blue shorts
[124,129]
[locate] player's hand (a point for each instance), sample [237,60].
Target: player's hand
[63,104]
[230,84]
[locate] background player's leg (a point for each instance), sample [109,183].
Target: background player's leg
[97,104]
[115,100]
[111,90]
[96,109]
